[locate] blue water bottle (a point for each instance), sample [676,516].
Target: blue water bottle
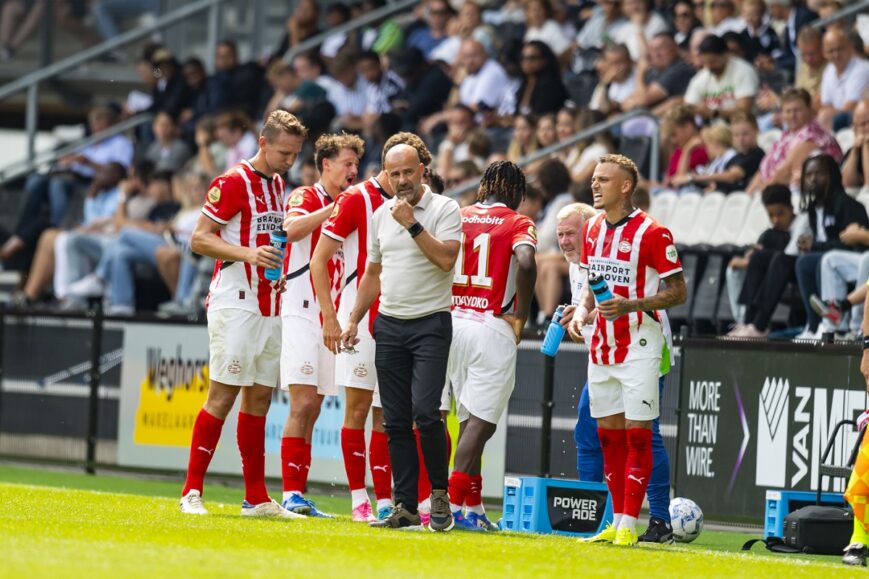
[278,240]
[554,334]
[599,288]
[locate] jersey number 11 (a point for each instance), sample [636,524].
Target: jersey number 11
[481,245]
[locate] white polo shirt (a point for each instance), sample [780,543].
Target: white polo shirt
[836,89]
[410,285]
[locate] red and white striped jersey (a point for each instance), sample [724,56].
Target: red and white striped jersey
[248,206]
[633,256]
[349,224]
[485,278]
[299,297]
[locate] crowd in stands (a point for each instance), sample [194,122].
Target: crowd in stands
[745,96]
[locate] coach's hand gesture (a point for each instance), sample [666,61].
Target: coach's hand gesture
[348,336]
[265,256]
[331,333]
[403,213]
[615,308]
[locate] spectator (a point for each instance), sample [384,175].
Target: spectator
[486,82]
[718,142]
[541,26]
[854,167]
[137,242]
[461,173]
[752,292]
[798,16]
[736,169]
[642,26]
[468,24]
[210,152]
[829,211]
[107,13]
[524,140]
[70,175]
[302,25]
[541,89]
[427,37]
[724,19]
[839,309]
[348,94]
[283,81]
[240,85]
[725,85]
[170,91]
[99,208]
[309,172]
[337,14]
[532,203]
[846,78]
[233,130]
[205,95]
[383,85]
[141,100]
[168,152]
[689,154]
[810,63]
[662,79]
[565,127]
[758,37]
[616,80]
[546,134]
[783,161]
[685,23]
[589,151]
[605,21]
[554,181]
[427,88]
[694,57]
[454,148]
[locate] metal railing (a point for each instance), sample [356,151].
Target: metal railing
[388,10]
[31,82]
[654,153]
[847,12]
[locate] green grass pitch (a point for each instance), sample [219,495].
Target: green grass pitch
[62,524]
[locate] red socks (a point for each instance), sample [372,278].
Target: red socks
[638,469]
[353,448]
[206,433]
[378,461]
[293,467]
[475,495]
[252,447]
[460,487]
[615,453]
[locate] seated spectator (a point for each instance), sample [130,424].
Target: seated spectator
[541,26]
[337,14]
[168,152]
[283,81]
[454,148]
[689,153]
[302,25]
[829,211]
[854,167]
[605,21]
[796,16]
[428,36]
[524,140]
[565,127]
[545,136]
[759,39]
[724,18]
[541,89]
[685,23]
[99,208]
[485,80]
[783,161]
[725,85]
[234,132]
[584,157]
[461,173]
[845,79]
[468,24]
[205,96]
[136,243]
[735,166]
[427,88]
[841,310]
[210,152]
[48,195]
[617,80]
[748,275]
[694,57]
[382,85]
[348,94]
[107,13]
[555,184]
[240,85]
[170,92]
[642,26]
[660,80]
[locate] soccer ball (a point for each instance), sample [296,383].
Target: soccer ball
[686,518]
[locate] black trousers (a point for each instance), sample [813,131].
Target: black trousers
[767,277]
[411,360]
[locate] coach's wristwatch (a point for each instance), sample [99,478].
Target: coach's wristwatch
[415,229]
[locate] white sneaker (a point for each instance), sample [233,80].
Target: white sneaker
[191,504]
[90,286]
[807,334]
[120,310]
[269,509]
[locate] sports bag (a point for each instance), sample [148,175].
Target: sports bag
[814,530]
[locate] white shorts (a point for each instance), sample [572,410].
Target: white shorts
[630,387]
[482,367]
[304,359]
[244,348]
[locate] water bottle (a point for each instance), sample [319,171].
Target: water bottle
[278,240]
[599,288]
[554,334]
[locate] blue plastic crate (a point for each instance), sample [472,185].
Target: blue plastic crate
[780,504]
[547,505]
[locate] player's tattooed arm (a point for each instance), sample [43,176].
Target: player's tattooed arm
[673,292]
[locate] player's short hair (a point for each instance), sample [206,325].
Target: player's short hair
[504,181]
[796,94]
[282,122]
[626,165]
[328,146]
[743,117]
[406,138]
[776,195]
[583,209]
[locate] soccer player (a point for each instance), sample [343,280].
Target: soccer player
[638,259]
[348,225]
[243,207]
[589,459]
[492,290]
[307,366]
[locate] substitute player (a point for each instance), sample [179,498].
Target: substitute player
[243,207]
[492,290]
[307,366]
[638,259]
[348,226]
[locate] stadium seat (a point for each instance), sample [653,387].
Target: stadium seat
[845,138]
[683,216]
[733,214]
[690,262]
[767,138]
[705,220]
[663,205]
[637,149]
[755,223]
[708,293]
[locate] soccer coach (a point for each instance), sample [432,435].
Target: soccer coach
[412,249]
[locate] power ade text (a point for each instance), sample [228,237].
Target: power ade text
[581,509]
